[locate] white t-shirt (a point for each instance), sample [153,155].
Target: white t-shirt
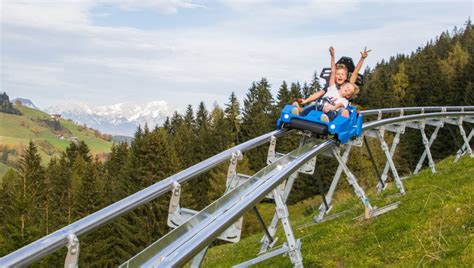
[333,94]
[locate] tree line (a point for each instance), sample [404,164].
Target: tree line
[36,200]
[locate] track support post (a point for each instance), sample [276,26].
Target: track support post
[351,179]
[388,155]
[292,247]
[466,148]
[425,152]
[72,257]
[323,209]
[307,168]
[398,129]
[462,151]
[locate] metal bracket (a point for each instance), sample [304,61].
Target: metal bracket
[72,257]
[272,155]
[356,142]
[178,215]
[283,250]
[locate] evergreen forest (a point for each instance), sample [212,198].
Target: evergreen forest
[37,199]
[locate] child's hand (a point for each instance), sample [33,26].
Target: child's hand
[331,51]
[300,100]
[364,54]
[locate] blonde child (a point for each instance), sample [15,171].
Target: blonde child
[335,99]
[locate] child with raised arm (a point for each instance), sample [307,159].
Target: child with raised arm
[333,100]
[342,72]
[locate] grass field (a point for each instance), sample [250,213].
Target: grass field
[434,225]
[17,131]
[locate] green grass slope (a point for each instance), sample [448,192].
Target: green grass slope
[434,225]
[16,132]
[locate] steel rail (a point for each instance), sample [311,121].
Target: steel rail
[413,117]
[190,246]
[180,252]
[418,109]
[54,241]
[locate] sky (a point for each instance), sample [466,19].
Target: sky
[103,52]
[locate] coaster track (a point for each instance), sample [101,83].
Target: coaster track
[193,236]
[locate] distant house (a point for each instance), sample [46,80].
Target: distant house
[56,116]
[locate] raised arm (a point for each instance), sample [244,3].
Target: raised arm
[363,54]
[332,78]
[313,97]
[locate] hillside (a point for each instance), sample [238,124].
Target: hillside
[433,225]
[51,136]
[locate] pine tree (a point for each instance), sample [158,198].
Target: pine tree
[258,118]
[28,195]
[314,86]
[232,116]
[10,212]
[400,84]
[115,242]
[59,176]
[295,91]
[189,117]
[151,160]
[283,96]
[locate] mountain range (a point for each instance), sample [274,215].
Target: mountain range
[117,119]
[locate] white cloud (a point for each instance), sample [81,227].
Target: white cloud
[164,6]
[62,53]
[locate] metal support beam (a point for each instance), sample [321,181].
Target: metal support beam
[323,209]
[351,179]
[197,260]
[421,126]
[400,129]
[379,177]
[283,214]
[427,147]
[307,168]
[425,152]
[282,250]
[462,151]
[72,257]
[388,155]
[265,242]
[463,134]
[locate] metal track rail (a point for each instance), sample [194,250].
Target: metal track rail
[54,241]
[405,110]
[180,245]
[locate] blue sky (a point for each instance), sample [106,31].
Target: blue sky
[105,52]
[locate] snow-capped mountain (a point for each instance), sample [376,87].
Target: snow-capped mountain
[25,102]
[118,119]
